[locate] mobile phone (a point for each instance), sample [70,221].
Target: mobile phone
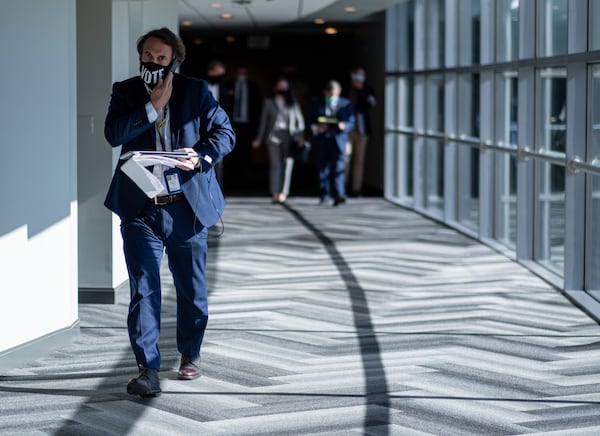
[174,65]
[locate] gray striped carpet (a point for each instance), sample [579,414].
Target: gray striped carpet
[363,319]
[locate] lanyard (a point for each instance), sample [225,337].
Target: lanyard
[161,128]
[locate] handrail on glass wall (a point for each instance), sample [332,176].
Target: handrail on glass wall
[461,140]
[512,149]
[554,157]
[574,164]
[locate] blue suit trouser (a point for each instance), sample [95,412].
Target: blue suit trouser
[171,228]
[331,165]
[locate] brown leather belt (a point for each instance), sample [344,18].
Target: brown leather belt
[161,200]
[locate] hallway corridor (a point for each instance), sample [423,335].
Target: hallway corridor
[360,319]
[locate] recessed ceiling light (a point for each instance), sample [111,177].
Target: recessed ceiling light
[331,30]
[226,16]
[350,9]
[230,38]
[319,21]
[186,23]
[215,5]
[198,41]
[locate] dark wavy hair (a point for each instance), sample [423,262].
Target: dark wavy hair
[168,37]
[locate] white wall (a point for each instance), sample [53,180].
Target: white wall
[38,190]
[43,110]
[106,49]
[94,66]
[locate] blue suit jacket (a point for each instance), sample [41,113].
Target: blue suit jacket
[343,113]
[196,120]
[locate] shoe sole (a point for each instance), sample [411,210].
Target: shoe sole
[133,390]
[188,377]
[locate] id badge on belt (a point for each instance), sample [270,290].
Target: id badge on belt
[173,180]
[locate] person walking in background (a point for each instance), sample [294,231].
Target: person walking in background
[162,111]
[244,116]
[215,77]
[281,127]
[331,119]
[363,99]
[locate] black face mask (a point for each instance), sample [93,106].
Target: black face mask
[287,95]
[213,80]
[151,72]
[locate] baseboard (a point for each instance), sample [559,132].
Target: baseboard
[97,295]
[22,354]
[586,303]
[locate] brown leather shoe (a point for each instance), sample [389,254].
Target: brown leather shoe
[188,368]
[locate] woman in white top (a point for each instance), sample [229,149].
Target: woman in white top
[281,128]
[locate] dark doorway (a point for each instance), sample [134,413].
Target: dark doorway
[306,55]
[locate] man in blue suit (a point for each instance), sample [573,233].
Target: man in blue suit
[331,120]
[163,111]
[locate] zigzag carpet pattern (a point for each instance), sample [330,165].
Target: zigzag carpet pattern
[363,319]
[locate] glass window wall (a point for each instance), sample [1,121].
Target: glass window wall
[435,103]
[594,25]
[405,142]
[551,140]
[436,23]
[406,151]
[405,115]
[594,239]
[505,164]
[594,127]
[468,115]
[468,186]
[393,156]
[553,27]
[434,182]
[391,94]
[552,109]
[406,43]
[434,149]
[468,156]
[535,136]
[551,216]
[507,41]
[470,31]
[505,207]
[593,264]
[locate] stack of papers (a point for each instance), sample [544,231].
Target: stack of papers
[168,158]
[137,161]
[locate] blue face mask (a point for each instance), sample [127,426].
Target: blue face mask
[332,100]
[358,77]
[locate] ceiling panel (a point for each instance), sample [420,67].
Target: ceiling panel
[257,14]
